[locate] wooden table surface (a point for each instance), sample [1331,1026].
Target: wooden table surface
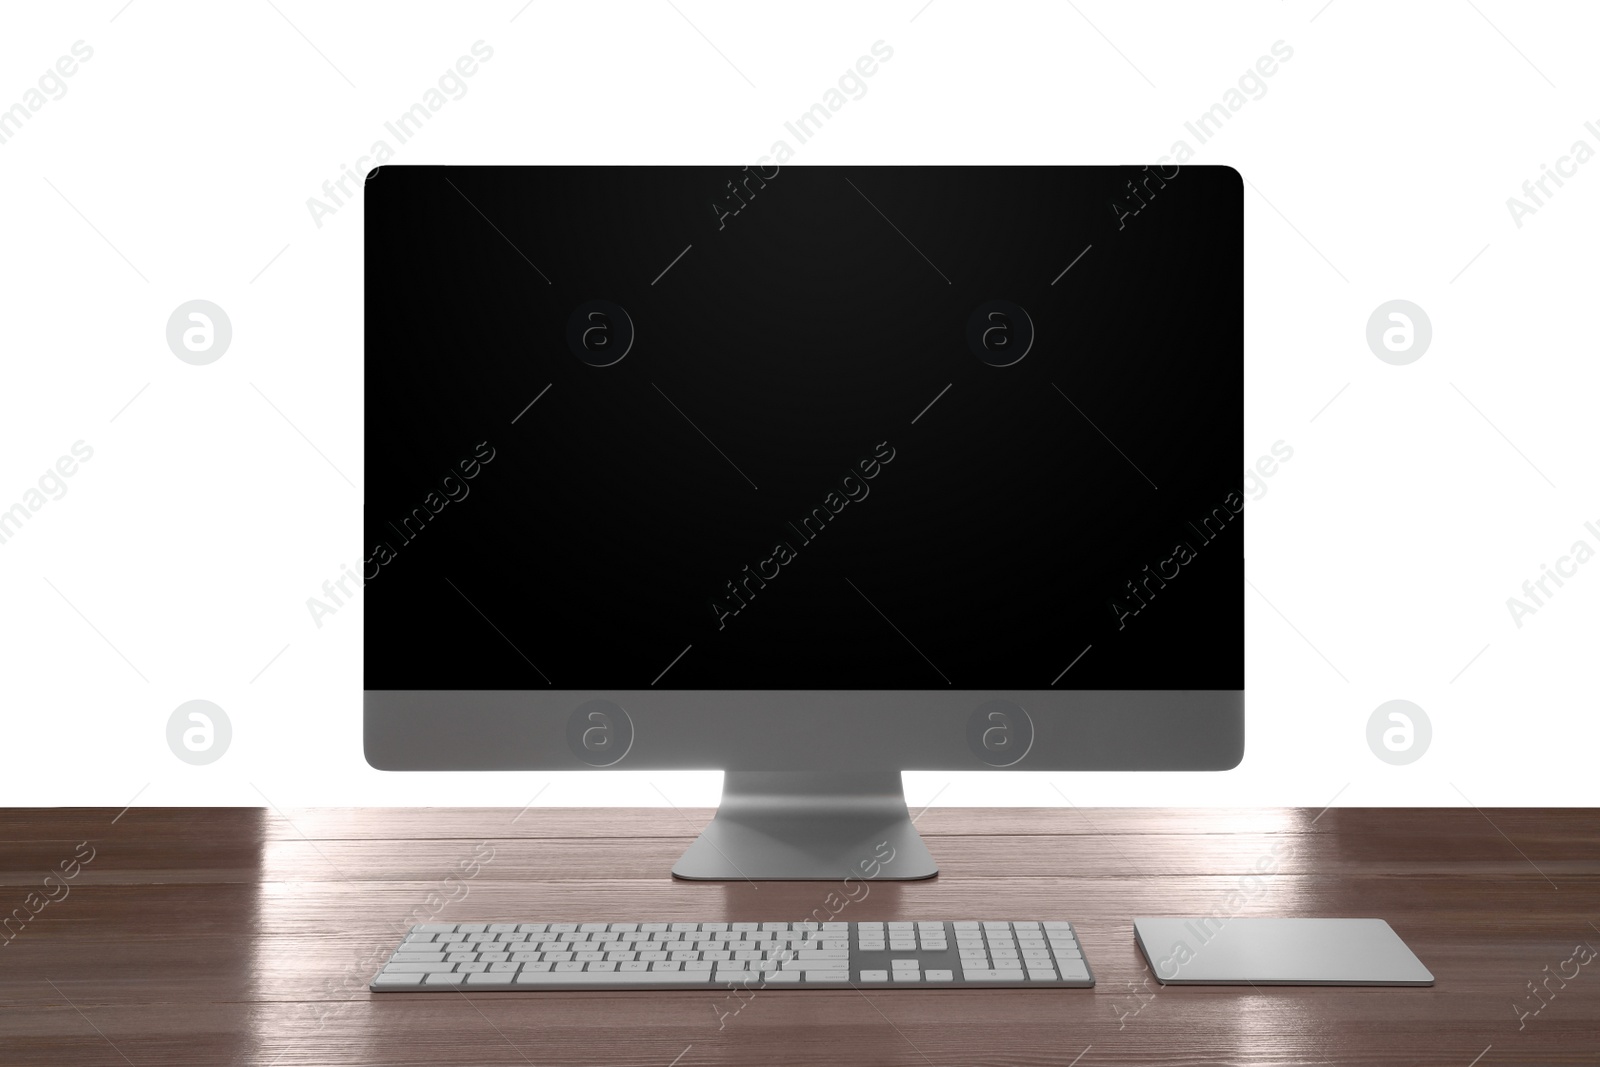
[240,936]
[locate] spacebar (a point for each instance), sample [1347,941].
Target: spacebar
[612,978]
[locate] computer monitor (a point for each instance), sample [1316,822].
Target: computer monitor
[809,474]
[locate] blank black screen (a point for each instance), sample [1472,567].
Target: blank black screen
[804,473]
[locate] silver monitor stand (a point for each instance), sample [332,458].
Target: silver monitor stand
[809,826]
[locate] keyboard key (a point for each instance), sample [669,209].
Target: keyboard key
[905,965]
[874,976]
[386,980]
[969,974]
[491,980]
[907,975]
[1073,970]
[444,979]
[1036,974]
[827,976]
[937,975]
[418,968]
[611,978]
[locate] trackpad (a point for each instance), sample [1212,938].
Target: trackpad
[1219,950]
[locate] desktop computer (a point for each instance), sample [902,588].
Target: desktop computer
[808,474]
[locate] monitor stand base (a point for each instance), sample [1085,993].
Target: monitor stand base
[809,826]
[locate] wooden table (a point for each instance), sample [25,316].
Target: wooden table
[242,936]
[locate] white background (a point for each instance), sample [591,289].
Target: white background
[179,162]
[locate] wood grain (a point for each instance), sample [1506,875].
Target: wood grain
[239,936]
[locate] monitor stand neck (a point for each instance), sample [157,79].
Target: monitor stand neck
[812,826]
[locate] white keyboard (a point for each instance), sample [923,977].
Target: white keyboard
[687,955]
